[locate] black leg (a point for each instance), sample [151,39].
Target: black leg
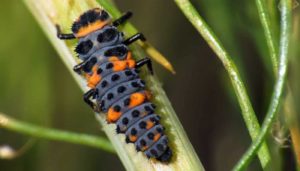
[77,68]
[144,61]
[64,36]
[122,19]
[138,36]
[87,98]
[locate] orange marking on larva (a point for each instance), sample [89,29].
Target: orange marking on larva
[113,58]
[149,125]
[83,31]
[119,65]
[156,137]
[112,115]
[129,56]
[136,99]
[132,138]
[130,63]
[94,79]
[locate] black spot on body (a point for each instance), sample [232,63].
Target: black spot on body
[109,66]
[135,113]
[116,51]
[84,47]
[142,125]
[99,71]
[133,131]
[115,77]
[150,135]
[143,142]
[104,84]
[126,102]
[121,89]
[125,121]
[107,35]
[110,96]
[117,108]
[159,130]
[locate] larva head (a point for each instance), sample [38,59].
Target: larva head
[90,21]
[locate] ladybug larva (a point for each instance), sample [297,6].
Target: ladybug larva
[112,75]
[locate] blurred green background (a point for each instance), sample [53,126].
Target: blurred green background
[37,88]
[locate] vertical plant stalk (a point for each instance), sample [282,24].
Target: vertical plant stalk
[54,134]
[269,33]
[50,12]
[285,35]
[239,88]
[289,107]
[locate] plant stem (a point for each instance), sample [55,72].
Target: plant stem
[240,90]
[50,12]
[269,33]
[286,18]
[54,134]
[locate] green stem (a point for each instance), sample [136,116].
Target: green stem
[286,18]
[240,90]
[54,134]
[269,33]
[51,12]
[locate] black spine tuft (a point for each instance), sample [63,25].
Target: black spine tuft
[89,17]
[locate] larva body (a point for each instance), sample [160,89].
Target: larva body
[116,86]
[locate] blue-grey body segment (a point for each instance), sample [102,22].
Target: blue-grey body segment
[106,82]
[112,95]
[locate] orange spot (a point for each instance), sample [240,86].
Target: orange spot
[113,58]
[119,65]
[83,31]
[112,115]
[132,138]
[136,99]
[94,79]
[149,125]
[129,56]
[130,63]
[156,137]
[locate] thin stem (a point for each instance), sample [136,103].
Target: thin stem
[54,134]
[240,90]
[269,33]
[51,12]
[286,18]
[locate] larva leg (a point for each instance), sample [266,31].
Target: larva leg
[87,98]
[138,36]
[122,19]
[144,61]
[64,36]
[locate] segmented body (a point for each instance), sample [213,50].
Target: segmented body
[120,92]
